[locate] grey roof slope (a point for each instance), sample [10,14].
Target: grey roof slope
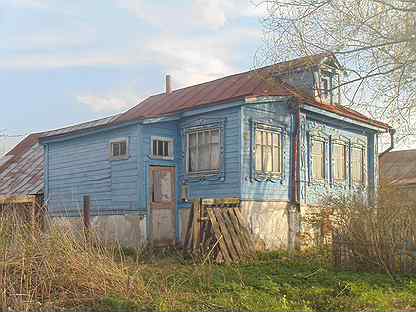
[398,167]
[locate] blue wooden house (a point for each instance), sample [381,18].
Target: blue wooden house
[274,137]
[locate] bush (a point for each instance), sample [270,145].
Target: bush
[370,237]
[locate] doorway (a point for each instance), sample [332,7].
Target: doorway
[163,205]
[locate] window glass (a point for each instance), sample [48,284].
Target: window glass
[162,148]
[204,150]
[268,157]
[118,149]
[339,157]
[357,160]
[318,159]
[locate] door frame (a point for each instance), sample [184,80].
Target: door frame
[152,167]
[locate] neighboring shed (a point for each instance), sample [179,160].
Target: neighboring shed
[399,168]
[21,172]
[21,178]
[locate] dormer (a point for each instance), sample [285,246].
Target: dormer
[327,80]
[317,76]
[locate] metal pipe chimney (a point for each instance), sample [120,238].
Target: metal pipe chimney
[168,84]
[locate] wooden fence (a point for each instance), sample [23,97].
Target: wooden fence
[367,256]
[217,231]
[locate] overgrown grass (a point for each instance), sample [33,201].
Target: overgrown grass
[274,282]
[57,271]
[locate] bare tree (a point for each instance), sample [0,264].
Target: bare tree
[375,40]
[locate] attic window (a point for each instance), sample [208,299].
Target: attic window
[325,82]
[119,149]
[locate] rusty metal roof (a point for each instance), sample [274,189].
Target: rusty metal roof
[254,83]
[398,167]
[22,171]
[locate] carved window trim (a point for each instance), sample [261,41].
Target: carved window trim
[364,170]
[325,139]
[273,127]
[203,124]
[345,142]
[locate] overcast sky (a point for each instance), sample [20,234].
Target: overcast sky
[64,62]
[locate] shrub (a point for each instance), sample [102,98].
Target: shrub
[370,236]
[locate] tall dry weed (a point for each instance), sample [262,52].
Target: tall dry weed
[379,235]
[58,269]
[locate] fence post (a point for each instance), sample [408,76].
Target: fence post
[86,216]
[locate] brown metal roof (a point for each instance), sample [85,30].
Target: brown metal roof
[259,82]
[398,167]
[22,172]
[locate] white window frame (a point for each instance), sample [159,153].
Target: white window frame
[119,157]
[171,147]
[208,171]
[280,147]
[345,146]
[363,163]
[324,155]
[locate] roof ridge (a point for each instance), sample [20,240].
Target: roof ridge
[242,73]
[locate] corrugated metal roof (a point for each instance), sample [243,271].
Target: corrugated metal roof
[81,126]
[22,172]
[398,167]
[259,82]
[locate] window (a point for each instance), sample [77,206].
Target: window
[318,159]
[162,148]
[204,151]
[119,149]
[357,161]
[268,152]
[325,86]
[339,157]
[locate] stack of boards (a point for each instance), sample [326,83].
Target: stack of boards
[216,231]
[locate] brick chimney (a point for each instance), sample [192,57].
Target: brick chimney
[168,84]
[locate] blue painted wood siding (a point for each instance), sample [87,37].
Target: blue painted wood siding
[273,114]
[161,129]
[332,130]
[82,166]
[229,185]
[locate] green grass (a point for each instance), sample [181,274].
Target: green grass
[274,282]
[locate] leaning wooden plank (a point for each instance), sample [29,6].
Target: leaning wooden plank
[188,234]
[244,229]
[235,235]
[223,253]
[243,238]
[227,236]
[196,204]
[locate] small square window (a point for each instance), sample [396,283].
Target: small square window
[119,149]
[162,148]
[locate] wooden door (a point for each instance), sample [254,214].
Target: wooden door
[163,205]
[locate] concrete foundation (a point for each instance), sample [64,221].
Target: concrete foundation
[127,230]
[268,222]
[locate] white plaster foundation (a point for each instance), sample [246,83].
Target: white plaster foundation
[268,222]
[127,230]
